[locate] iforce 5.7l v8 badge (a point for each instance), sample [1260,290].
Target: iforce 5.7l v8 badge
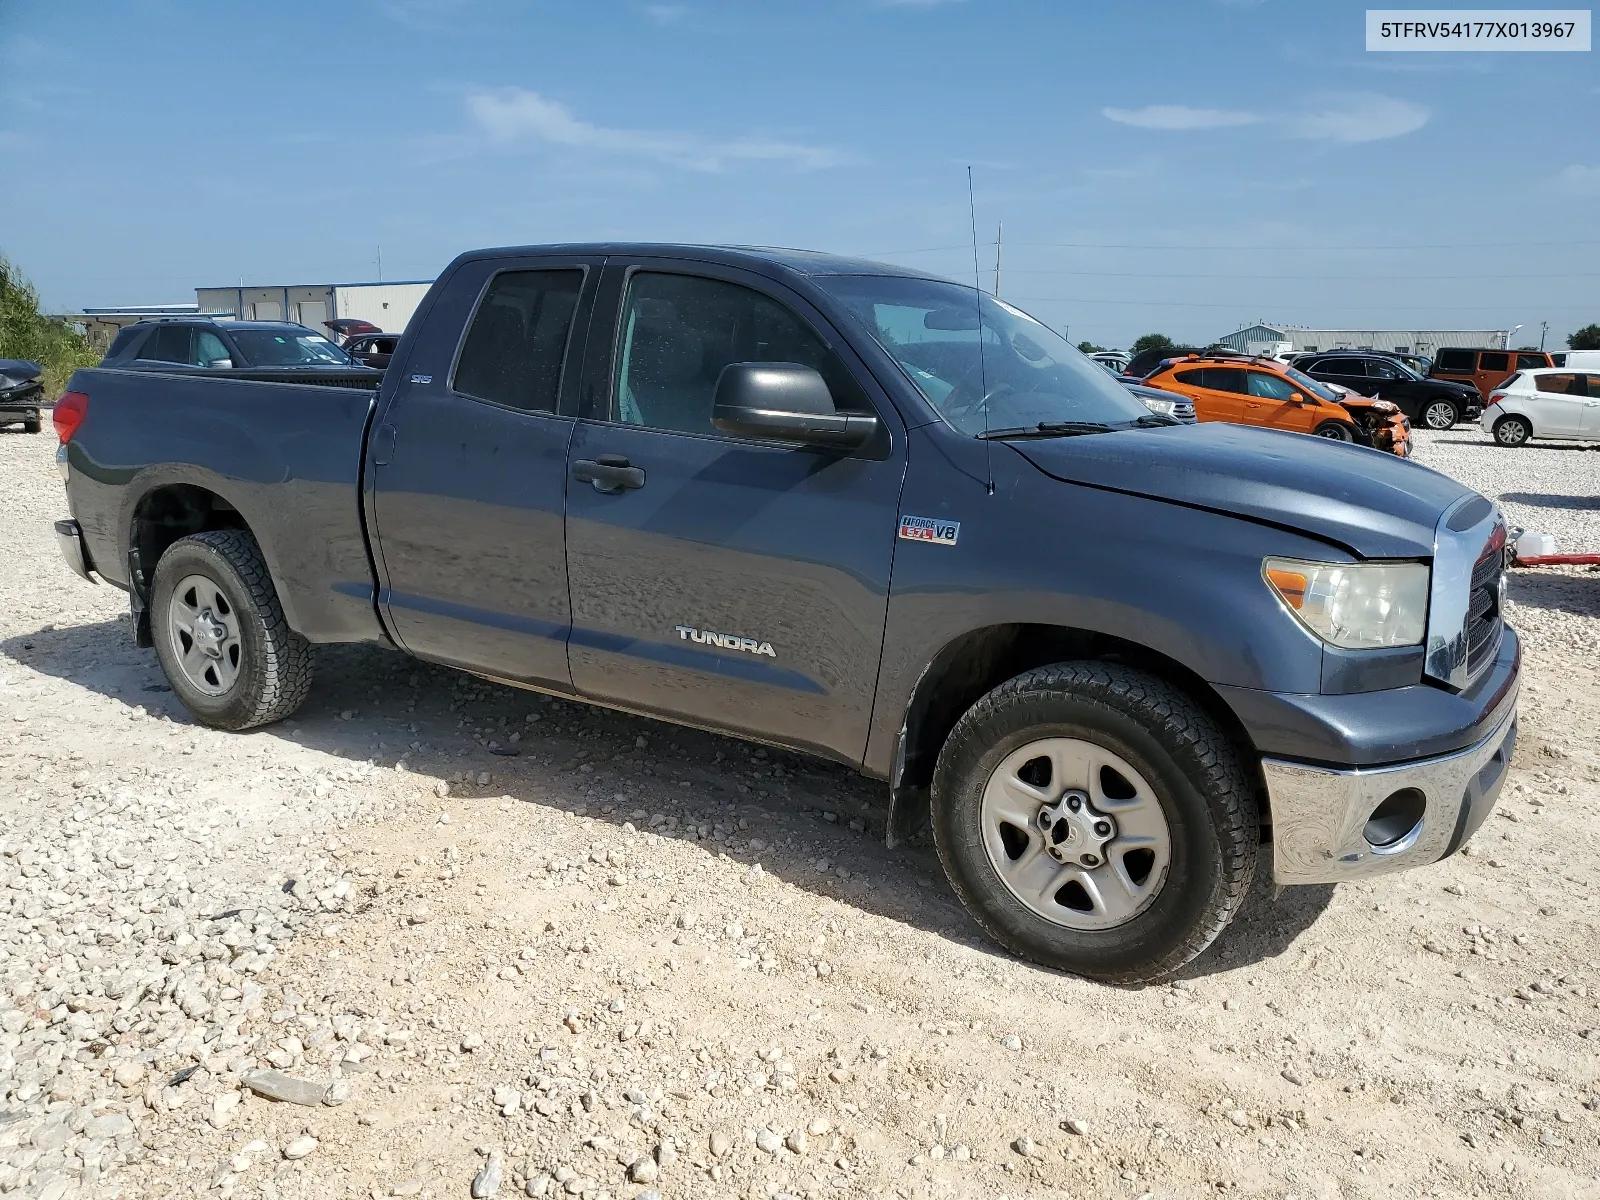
[926,529]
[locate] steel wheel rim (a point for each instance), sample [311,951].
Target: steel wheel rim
[1439,415]
[204,631]
[1511,433]
[1026,802]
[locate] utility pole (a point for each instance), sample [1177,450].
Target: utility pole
[1544,328]
[999,233]
[380,262]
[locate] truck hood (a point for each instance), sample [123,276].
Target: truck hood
[1373,504]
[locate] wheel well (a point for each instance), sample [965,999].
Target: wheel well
[167,514]
[976,662]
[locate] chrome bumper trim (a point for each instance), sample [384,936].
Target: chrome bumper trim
[70,538]
[1319,814]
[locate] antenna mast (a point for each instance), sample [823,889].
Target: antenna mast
[977,301]
[999,237]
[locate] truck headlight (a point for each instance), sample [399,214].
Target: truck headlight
[1165,408]
[1358,606]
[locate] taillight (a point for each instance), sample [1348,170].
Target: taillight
[69,413]
[1495,398]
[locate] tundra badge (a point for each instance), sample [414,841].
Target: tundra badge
[926,529]
[727,641]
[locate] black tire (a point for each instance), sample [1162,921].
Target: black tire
[1334,431]
[31,426]
[1440,414]
[1512,431]
[1205,798]
[274,662]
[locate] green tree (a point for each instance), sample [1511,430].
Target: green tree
[27,333]
[1587,338]
[1153,341]
[1089,348]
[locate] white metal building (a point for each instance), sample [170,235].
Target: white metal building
[1281,339]
[387,305]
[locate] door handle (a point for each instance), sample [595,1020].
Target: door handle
[610,473]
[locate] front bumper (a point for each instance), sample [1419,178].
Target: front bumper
[1321,815]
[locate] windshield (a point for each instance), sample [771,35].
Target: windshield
[1025,375]
[1311,385]
[286,348]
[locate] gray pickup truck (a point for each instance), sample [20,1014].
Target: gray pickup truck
[848,509]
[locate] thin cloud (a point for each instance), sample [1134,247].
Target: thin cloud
[1347,118]
[1178,116]
[1358,117]
[515,116]
[914,3]
[1579,181]
[666,14]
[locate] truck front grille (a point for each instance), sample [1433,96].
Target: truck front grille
[1485,621]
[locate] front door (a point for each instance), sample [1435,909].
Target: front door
[469,472]
[1591,409]
[1272,401]
[731,583]
[1559,404]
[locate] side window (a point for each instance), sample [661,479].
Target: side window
[1224,379]
[208,348]
[1491,361]
[1559,385]
[1530,362]
[1348,366]
[1271,387]
[1455,360]
[1378,369]
[125,335]
[169,344]
[518,339]
[1594,386]
[1194,378]
[679,331]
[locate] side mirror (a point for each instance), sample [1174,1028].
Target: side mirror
[220,364]
[785,402]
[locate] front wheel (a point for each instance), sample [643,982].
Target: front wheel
[1512,431]
[30,425]
[1440,414]
[1094,819]
[221,635]
[1334,432]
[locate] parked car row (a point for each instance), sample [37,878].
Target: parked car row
[1436,403]
[21,393]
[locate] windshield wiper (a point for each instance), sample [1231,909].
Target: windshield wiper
[1046,429]
[1155,421]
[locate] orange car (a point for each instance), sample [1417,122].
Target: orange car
[1263,391]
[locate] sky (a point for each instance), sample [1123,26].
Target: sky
[1184,168]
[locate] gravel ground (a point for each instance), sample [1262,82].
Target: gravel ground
[1551,487]
[480,943]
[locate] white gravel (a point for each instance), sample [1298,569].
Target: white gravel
[1551,487]
[561,972]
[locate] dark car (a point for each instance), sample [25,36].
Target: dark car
[374,349]
[20,393]
[1163,403]
[1144,363]
[1433,403]
[792,497]
[224,345]
[345,328]
[1484,370]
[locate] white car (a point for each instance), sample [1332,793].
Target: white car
[1545,403]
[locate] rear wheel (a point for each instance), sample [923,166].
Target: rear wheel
[1334,432]
[1440,414]
[1512,431]
[1094,819]
[221,635]
[31,425]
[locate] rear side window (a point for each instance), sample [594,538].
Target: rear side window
[1511,383]
[1491,361]
[518,339]
[1347,366]
[125,337]
[1530,362]
[1594,386]
[1454,360]
[169,343]
[1223,379]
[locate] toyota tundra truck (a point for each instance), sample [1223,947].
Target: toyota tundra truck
[855,511]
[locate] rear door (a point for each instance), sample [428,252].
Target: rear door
[1494,368]
[469,470]
[731,583]
[1591,409]
[1218,392]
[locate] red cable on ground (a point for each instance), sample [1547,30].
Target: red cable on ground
[1559,560]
